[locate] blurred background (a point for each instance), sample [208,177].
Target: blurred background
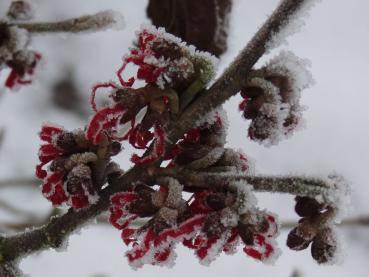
[335,39]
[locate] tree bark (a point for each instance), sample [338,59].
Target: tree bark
[201,23]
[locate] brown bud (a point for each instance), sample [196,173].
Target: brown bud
[246,233]
[251,92]
[167,49]
[66,141]
[4,33]
[114,148]
[20,10]
[213,226]
[58,165]
[144,205]
[297,242]
[283,84]
[324,246]
[306,206]
[75,185]
[216,201]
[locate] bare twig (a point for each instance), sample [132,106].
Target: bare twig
[26,182]
[295,185]
[16,211]
[99,21]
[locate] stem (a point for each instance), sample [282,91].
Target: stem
[233,79]
[95,22]
[295,185]
[58,228]
[9,270]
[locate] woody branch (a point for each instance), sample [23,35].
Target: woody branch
[53,233]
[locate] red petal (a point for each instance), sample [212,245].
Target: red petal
[104,119]
[94,90]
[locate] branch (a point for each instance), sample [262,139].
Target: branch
[99,21]
[58,228]
[233,79]
[9,270]
[296,185]
[53,233]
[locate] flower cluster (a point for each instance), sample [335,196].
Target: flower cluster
[14,52]
[70,178]
[155,214]
[271,98]
[168,67]
[316,228]
[210,223]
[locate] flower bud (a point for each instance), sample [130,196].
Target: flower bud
[246,233]
[306,206]
[20,10]
[297,242]
[66,141]
[324,246]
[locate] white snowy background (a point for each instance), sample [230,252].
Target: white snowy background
[336,138]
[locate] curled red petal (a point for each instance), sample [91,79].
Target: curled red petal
[48,131]
[202,252]
[48,152]
[94,90]
[41,173]
[130,81]
[121,199]
[103,120]
[12,79]
[158,149]
[243,105]
[253,253]
[79,202]
[53,189]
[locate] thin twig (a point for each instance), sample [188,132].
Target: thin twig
[21,182]
[16,211]
[296,185]
[99,21]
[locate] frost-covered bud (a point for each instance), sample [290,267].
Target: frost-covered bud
[216,201]
[306,206]
[144,205]
[272,98]
[58,165]
[4,35]
[324,246]
[246,233]
[66,142]
[297,242]
[20,10]
[78,179]
[114,148]
[213,225]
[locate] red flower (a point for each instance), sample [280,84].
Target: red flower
[17,76]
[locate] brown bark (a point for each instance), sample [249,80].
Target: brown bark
[201,23]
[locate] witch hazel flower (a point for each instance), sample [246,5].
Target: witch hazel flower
[169,67]
[272,96]
[229,219]
[66,166]
[210,224]
[14,52]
